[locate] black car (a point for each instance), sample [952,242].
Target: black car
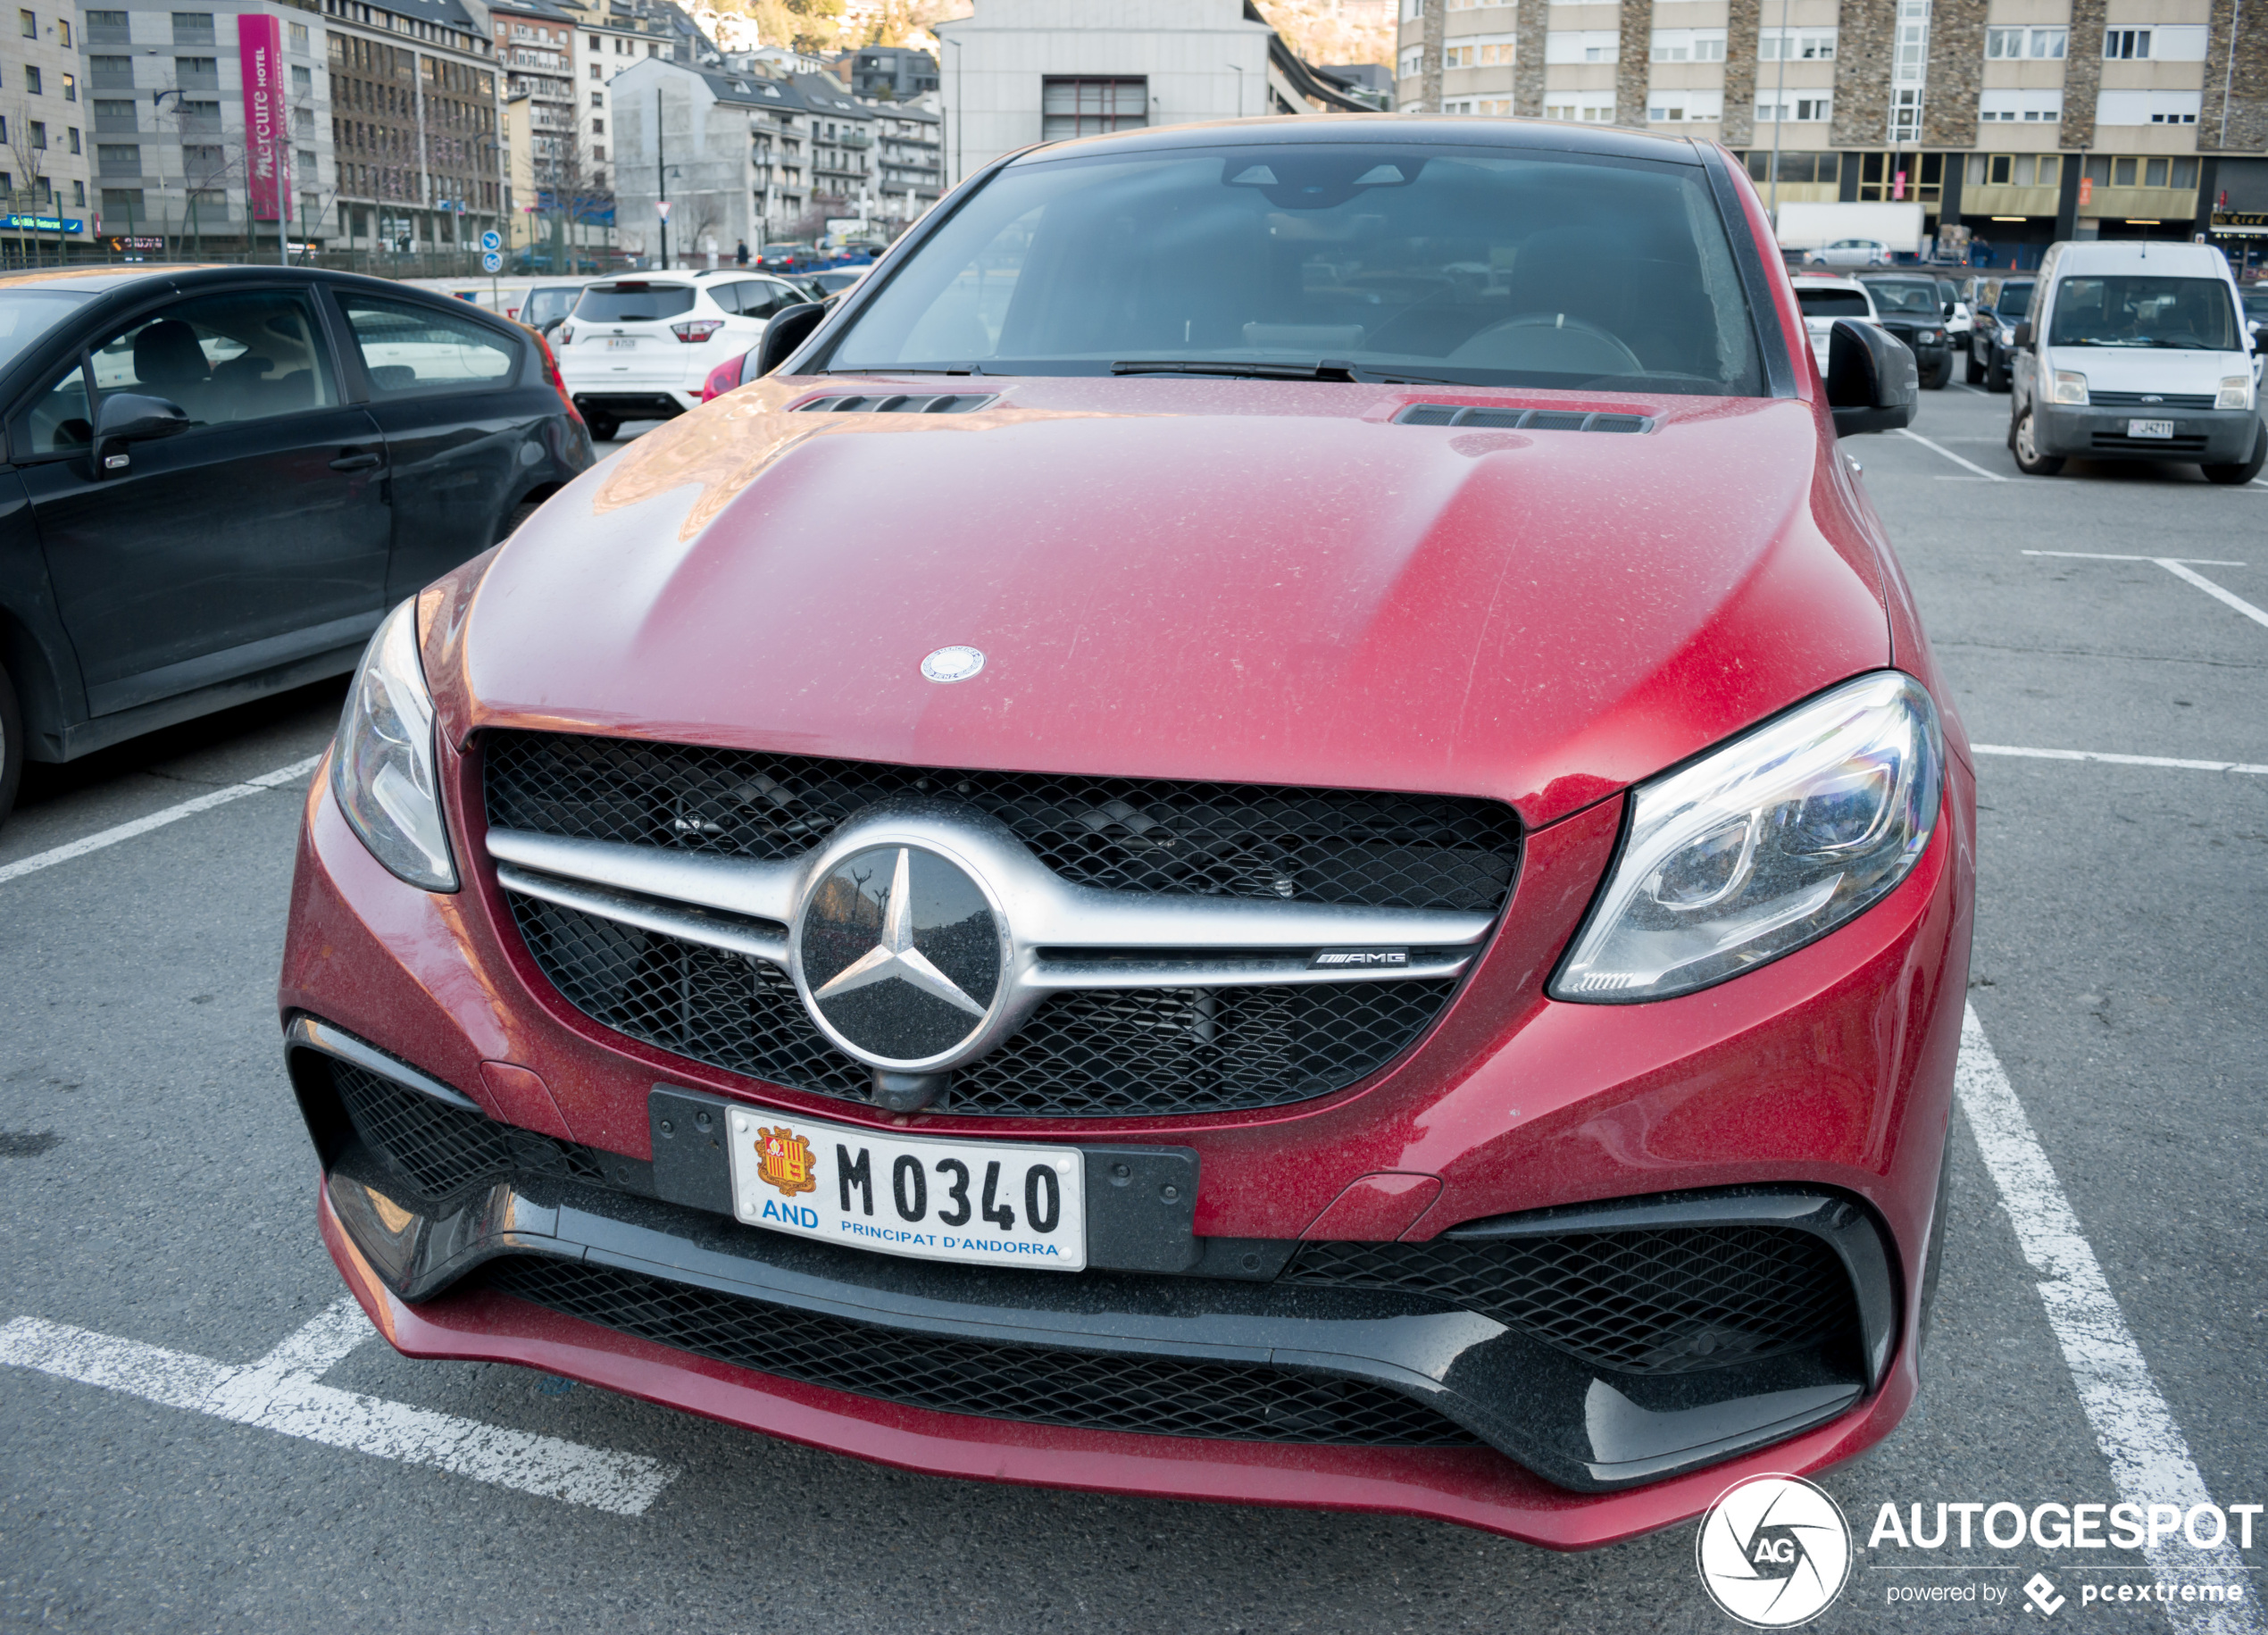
[219,479]
[1912,307]
[2002,304]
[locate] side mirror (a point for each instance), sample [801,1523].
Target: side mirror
[2022,336]
[1948,309]
[784,333]
[1873,382]
[124,418]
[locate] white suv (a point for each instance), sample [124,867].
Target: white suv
[639,347]
[1823,300]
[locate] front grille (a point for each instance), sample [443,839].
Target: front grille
[2150,446]
[1663,1301]
[2160,400]
[1172,838]
[1155,1396]
[442,1150]
[1082,1054]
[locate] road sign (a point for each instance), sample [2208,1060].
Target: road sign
[664,207]
[492,261]
[492,240]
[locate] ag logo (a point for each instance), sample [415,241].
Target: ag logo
[1774,1552]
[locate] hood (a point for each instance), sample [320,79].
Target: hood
[1232,579]
[2149,369]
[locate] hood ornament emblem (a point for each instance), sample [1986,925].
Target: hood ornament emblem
[894,958]
[953,663]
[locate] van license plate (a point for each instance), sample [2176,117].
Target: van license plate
[2149,428]
[982,1203]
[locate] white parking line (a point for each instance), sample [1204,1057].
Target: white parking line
[1940,448]
[157,820]
[2149,1457]
[2202,562]
[281,1393]
[2214,591]
[2098,754]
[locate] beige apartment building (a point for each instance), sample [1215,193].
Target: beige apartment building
[2021,121]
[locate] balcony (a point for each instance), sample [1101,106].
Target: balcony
[852,136]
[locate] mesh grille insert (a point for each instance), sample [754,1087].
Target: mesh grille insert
[1156,1395]
[1173,838]
[1524,420]
[900,403]
[443,1150]
[1653,1301]
[1082,1054]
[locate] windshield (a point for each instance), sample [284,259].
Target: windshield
[545,304]
[2256,302]
[1485,267]
[631,303]
[27,314]
[2190,314]
[1833,304]
[1911,297]
[2015,300]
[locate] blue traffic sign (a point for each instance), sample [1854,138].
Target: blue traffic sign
[492,240]
[492,262]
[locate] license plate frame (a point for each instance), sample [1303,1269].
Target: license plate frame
[844,1184]
[2153,428]
[621,343]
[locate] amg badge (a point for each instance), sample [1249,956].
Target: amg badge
[1359,958]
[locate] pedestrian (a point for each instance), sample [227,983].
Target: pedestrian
[740,254]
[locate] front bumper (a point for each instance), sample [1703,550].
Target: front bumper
[1824,1077]
[2210,436]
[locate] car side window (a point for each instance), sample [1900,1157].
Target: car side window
[728,295]
[225,359]
[411,351]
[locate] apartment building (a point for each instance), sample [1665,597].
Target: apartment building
[909,159]
[45,137]
[414,111]
[2017,123]
[168,100]
[727,147]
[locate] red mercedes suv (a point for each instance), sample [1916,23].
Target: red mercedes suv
[1270,824]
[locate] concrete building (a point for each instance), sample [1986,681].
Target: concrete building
[1021,71]
[2015,122]
[909,160]
[414,114]
[889,73]
[46,134]
[165,91]
[727,149]
[548,163]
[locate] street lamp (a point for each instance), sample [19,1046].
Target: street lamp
[960,108]
[1238,69]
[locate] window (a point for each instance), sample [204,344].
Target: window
[407,350]
[1152,255]
[1413,61]
[598,128]
[1796,167]
[597,100]
[1582,46]
[31,80]
[2029,107]
[2016,171]
[225,359]
[105,22]
[71,87]
[2120,107]
[594,71]
[1089,107]
[1479,50]
[74,139]
[1597,109]
[1680,106]
[303,81]
[38,133]
[2124,44]
[1803,109]
[1689,46]
[114,159]
[78,194]
[28,24]
[2009,44]
[193,28]
[63,29]
[295,36]
[116,71]
[2185,314]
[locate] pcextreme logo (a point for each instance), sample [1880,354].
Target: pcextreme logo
[1773,1551]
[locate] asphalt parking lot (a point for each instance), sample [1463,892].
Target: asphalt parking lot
[192,1437]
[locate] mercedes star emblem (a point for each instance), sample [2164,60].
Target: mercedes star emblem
[899,953]
[953,663]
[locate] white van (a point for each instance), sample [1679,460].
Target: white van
[2136,351]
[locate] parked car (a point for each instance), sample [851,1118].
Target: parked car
[1955,299]
[1854,253]
[2001,306]
[1824,299]
[2136,351]
[221,478]
[788,258]
[1379,933]
[1912,307]
[546,304]
[2256,300]
[835,279]
[639,348]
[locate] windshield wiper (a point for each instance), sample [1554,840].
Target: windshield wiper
[1329,369]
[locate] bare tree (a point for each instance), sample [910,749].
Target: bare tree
[30,171]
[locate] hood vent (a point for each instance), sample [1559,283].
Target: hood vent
[900,403]
[1520,420]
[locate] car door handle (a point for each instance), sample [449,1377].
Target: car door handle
[357,460]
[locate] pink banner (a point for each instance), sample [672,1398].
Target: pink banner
[267,119]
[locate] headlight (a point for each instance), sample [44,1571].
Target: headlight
[1930,337]
[2069,387]
[1759,846]
[2236,392]
[383,773]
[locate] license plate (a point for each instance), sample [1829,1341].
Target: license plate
[2149,428]
[621,343]
[984,1203]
